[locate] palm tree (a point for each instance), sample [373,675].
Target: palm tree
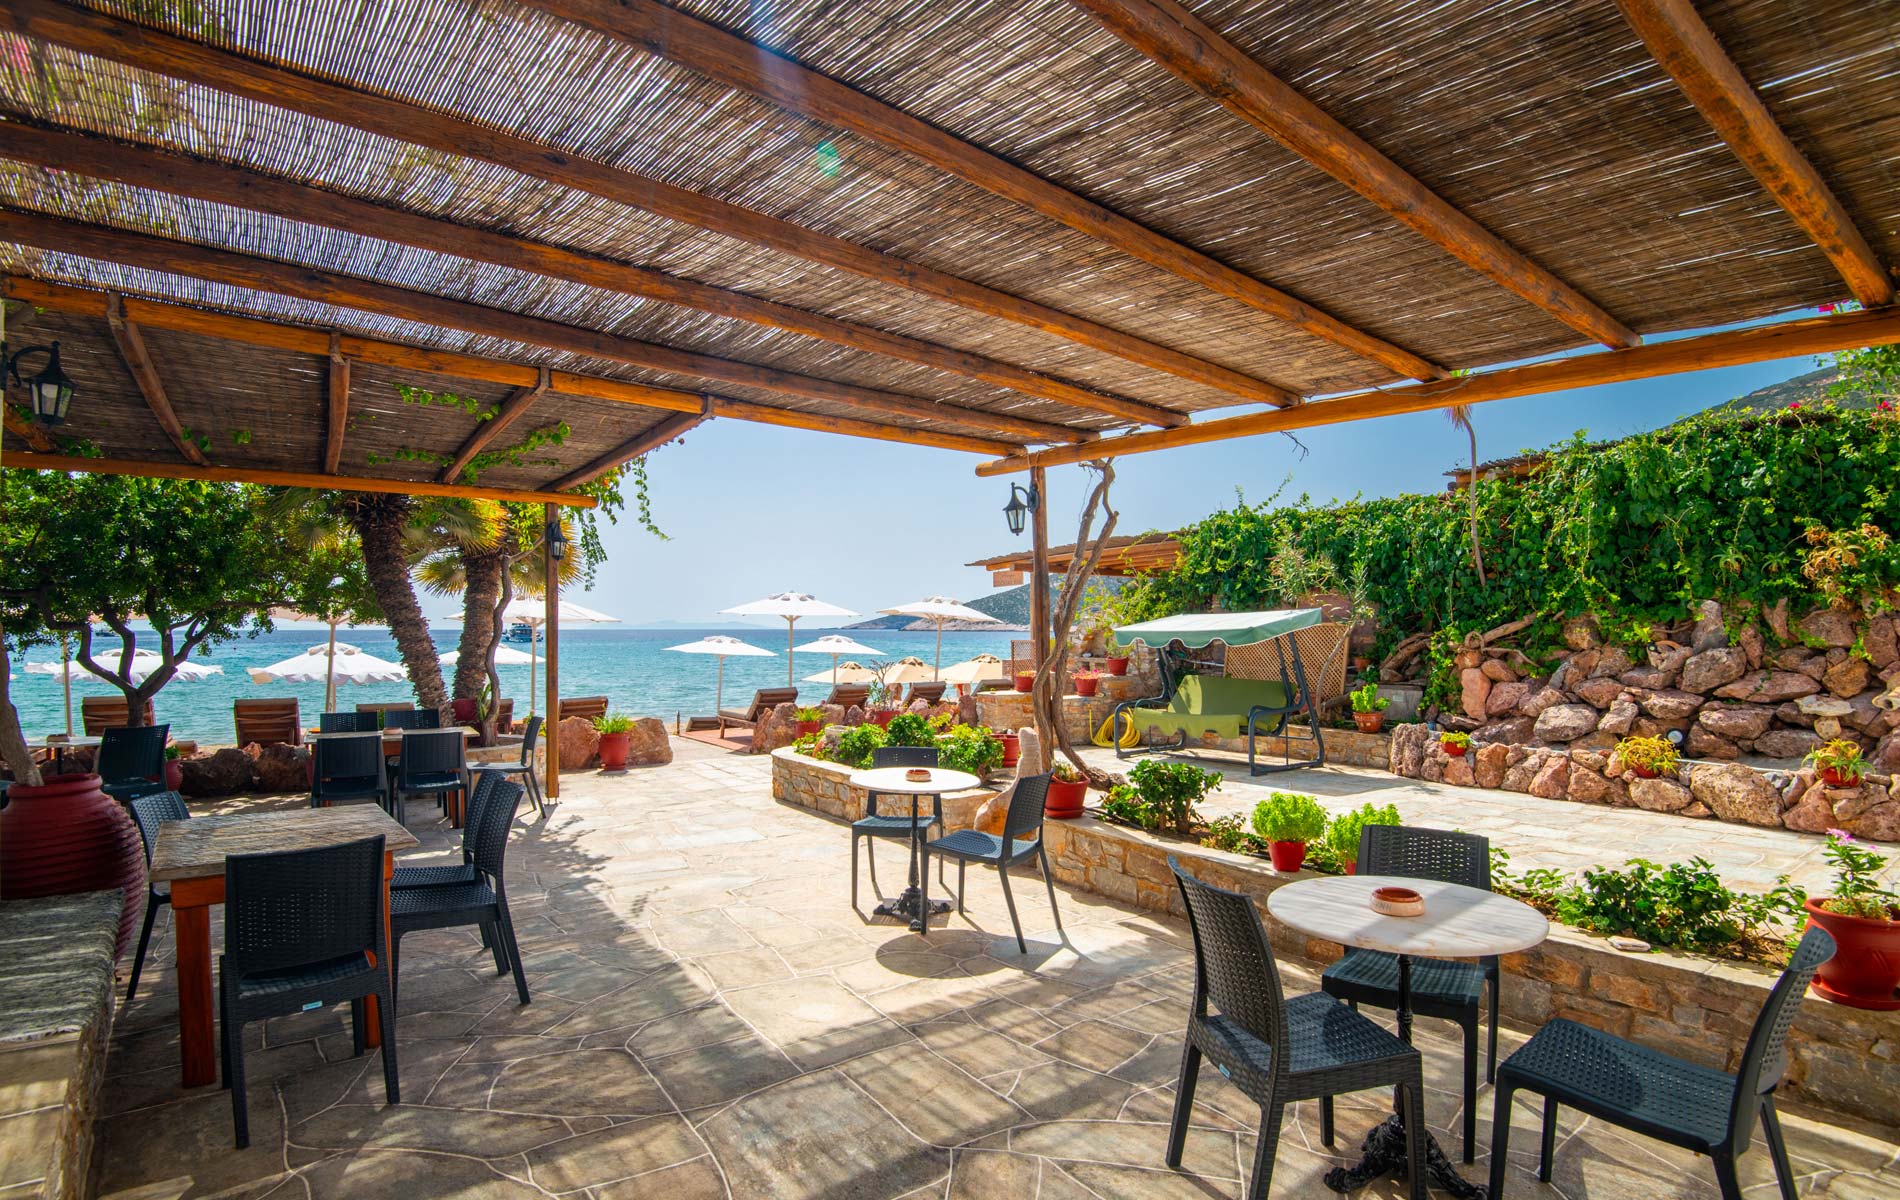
[1460,417]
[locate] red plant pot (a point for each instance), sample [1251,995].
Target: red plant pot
[1351,868]
[1865,969]
[1455,751]
[1369,722]
[1086,687]
[1012,749]
[1118,665]
[614,748]
[1065,799]
[807,728]
[1644,772]
[1833,778]
[463,709]
[881,717]
[174,774]
[1286,856]
[68,836]
[1025,681]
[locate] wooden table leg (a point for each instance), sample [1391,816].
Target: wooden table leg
[197,1021]
[373,1036]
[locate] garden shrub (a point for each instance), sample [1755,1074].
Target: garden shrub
[909,729]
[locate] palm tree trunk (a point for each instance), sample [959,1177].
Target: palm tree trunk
[482,574]
[1477,553]
[379,521]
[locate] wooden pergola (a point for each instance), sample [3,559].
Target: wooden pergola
[272,239]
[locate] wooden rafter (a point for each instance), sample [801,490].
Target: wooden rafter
[1686,48]
[1787,339]
[329,287]
[25,430]
[138,362]
[156,314]
[336,406]
[1214,66]
[652,439]
[104,36]
[708,50]
[300,479]
[138,166]
[512,408]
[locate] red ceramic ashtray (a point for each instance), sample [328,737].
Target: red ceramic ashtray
[917,775]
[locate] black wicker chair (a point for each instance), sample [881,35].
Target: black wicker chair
[131,761]
[968,846]
[429,764]
[303,929]
[348,722]
[412,718]
[348,767]
[148,813]
[1448,990]
[525,768]
[1659,1095]
[874,824]
[478,809]
[483,902]
[1274,1049]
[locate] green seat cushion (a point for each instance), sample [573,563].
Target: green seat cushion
[1215,704]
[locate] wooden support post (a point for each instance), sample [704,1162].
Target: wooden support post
[138,362]
[551,783]
[1039,631]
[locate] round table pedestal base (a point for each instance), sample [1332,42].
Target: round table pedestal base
[909,903]
[1385,1155]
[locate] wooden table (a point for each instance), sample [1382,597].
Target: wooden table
[913,903]
[190,855]
[1458,922]
[59,744]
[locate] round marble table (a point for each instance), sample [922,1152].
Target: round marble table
[1458,922]
[60,743]
[914,902]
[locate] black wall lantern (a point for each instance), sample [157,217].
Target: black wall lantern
[1022,502]
[557,541]
[51,390]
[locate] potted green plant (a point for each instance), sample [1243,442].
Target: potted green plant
[1864,920]
[908,729]
[174,768]
[969,748]
[1068,788]
[880,703]
[1086,682]
[1839,762]
[1368,708]
[1025,681]
[1341,843]
[1012,747]
[616,740]
[1287,821]
[1648,757]
[1117,659]
[1455,742]
[810,720]
[1169,792]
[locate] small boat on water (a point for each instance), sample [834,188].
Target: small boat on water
[521,631]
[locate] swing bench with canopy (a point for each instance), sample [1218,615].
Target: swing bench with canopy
[1193,704]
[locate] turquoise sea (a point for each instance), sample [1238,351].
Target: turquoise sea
[632,667]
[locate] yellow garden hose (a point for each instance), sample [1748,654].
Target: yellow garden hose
[1131,737]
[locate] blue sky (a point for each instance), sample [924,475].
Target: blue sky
[752,509]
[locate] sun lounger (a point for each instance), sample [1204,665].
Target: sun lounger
[584,707]
[100,713]
[763,701]
[929,693]
[268,721]
[849,695]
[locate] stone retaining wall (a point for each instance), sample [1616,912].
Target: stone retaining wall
[825,787]
[1844,1060]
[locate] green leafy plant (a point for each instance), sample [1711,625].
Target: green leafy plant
[1842,756]
[1340,844]
[1857,889]
[1230,833]
[909,729]
[174,752]
[1367,699]
[1653,754]
[1066,772]
[880,695]
[809,713]
[1683,905]
[969,748]
[1170,791]
[613,723]
[810,745]
[858,744]
[1454,737]
[1289,817]
[1123,806]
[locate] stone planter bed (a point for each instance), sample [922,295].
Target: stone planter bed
[824,787]
[1843,1060]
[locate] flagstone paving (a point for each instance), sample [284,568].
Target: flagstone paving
[711,1019]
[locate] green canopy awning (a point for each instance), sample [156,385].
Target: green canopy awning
[1235,628]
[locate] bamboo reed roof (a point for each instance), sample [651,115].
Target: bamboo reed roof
[1549,123]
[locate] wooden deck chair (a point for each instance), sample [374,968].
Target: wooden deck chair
[763,701]
[584,707]
[100,713]
[505,717]
[848,695]
[268,721]
[930,692]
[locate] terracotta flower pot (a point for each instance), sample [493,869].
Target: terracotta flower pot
[1369,722]
[1012,749]
[1455,750]
[1286,856]
[1118,665]
[1835,778]
[1351,868]
[1644,772]
[807,728]
[1086,686]
[1065,799]
[67,836]
[614,748]
[881,717]
[174,774]
[1025,681]
[1865,969]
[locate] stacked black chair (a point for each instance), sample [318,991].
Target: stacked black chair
[874,824]
[1449,990]
[430,764]
[479,809]
[148,813]
[1659,1095]
[1274,1049]
[348,767]
[348,722]
[131,761]
[412,718]
[525,768]
[303,929]
[482,902]
[968,846]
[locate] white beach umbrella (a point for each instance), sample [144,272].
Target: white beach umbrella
[983,666]
[532,611]
[144,662]
[938,610]
[318,664]
[849,672]
[723,648]
[836,645]
[505,656]
[909,669]
[791,606]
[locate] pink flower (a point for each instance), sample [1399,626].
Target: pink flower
[1840,835]
[1794,404]
[1884,406]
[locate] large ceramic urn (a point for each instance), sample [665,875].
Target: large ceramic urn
[68,836]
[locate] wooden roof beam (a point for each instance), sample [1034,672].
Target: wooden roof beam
[158,314]
[1787,339]
[275,478]
[336,408]
[104,36]
[1173,37]
[25,429]
[659,435]
[328,287]
[140,166]
[1686,48]
[138,362]
[512,408]
[708,50]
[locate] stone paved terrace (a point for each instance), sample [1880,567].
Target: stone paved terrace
[710,1019]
